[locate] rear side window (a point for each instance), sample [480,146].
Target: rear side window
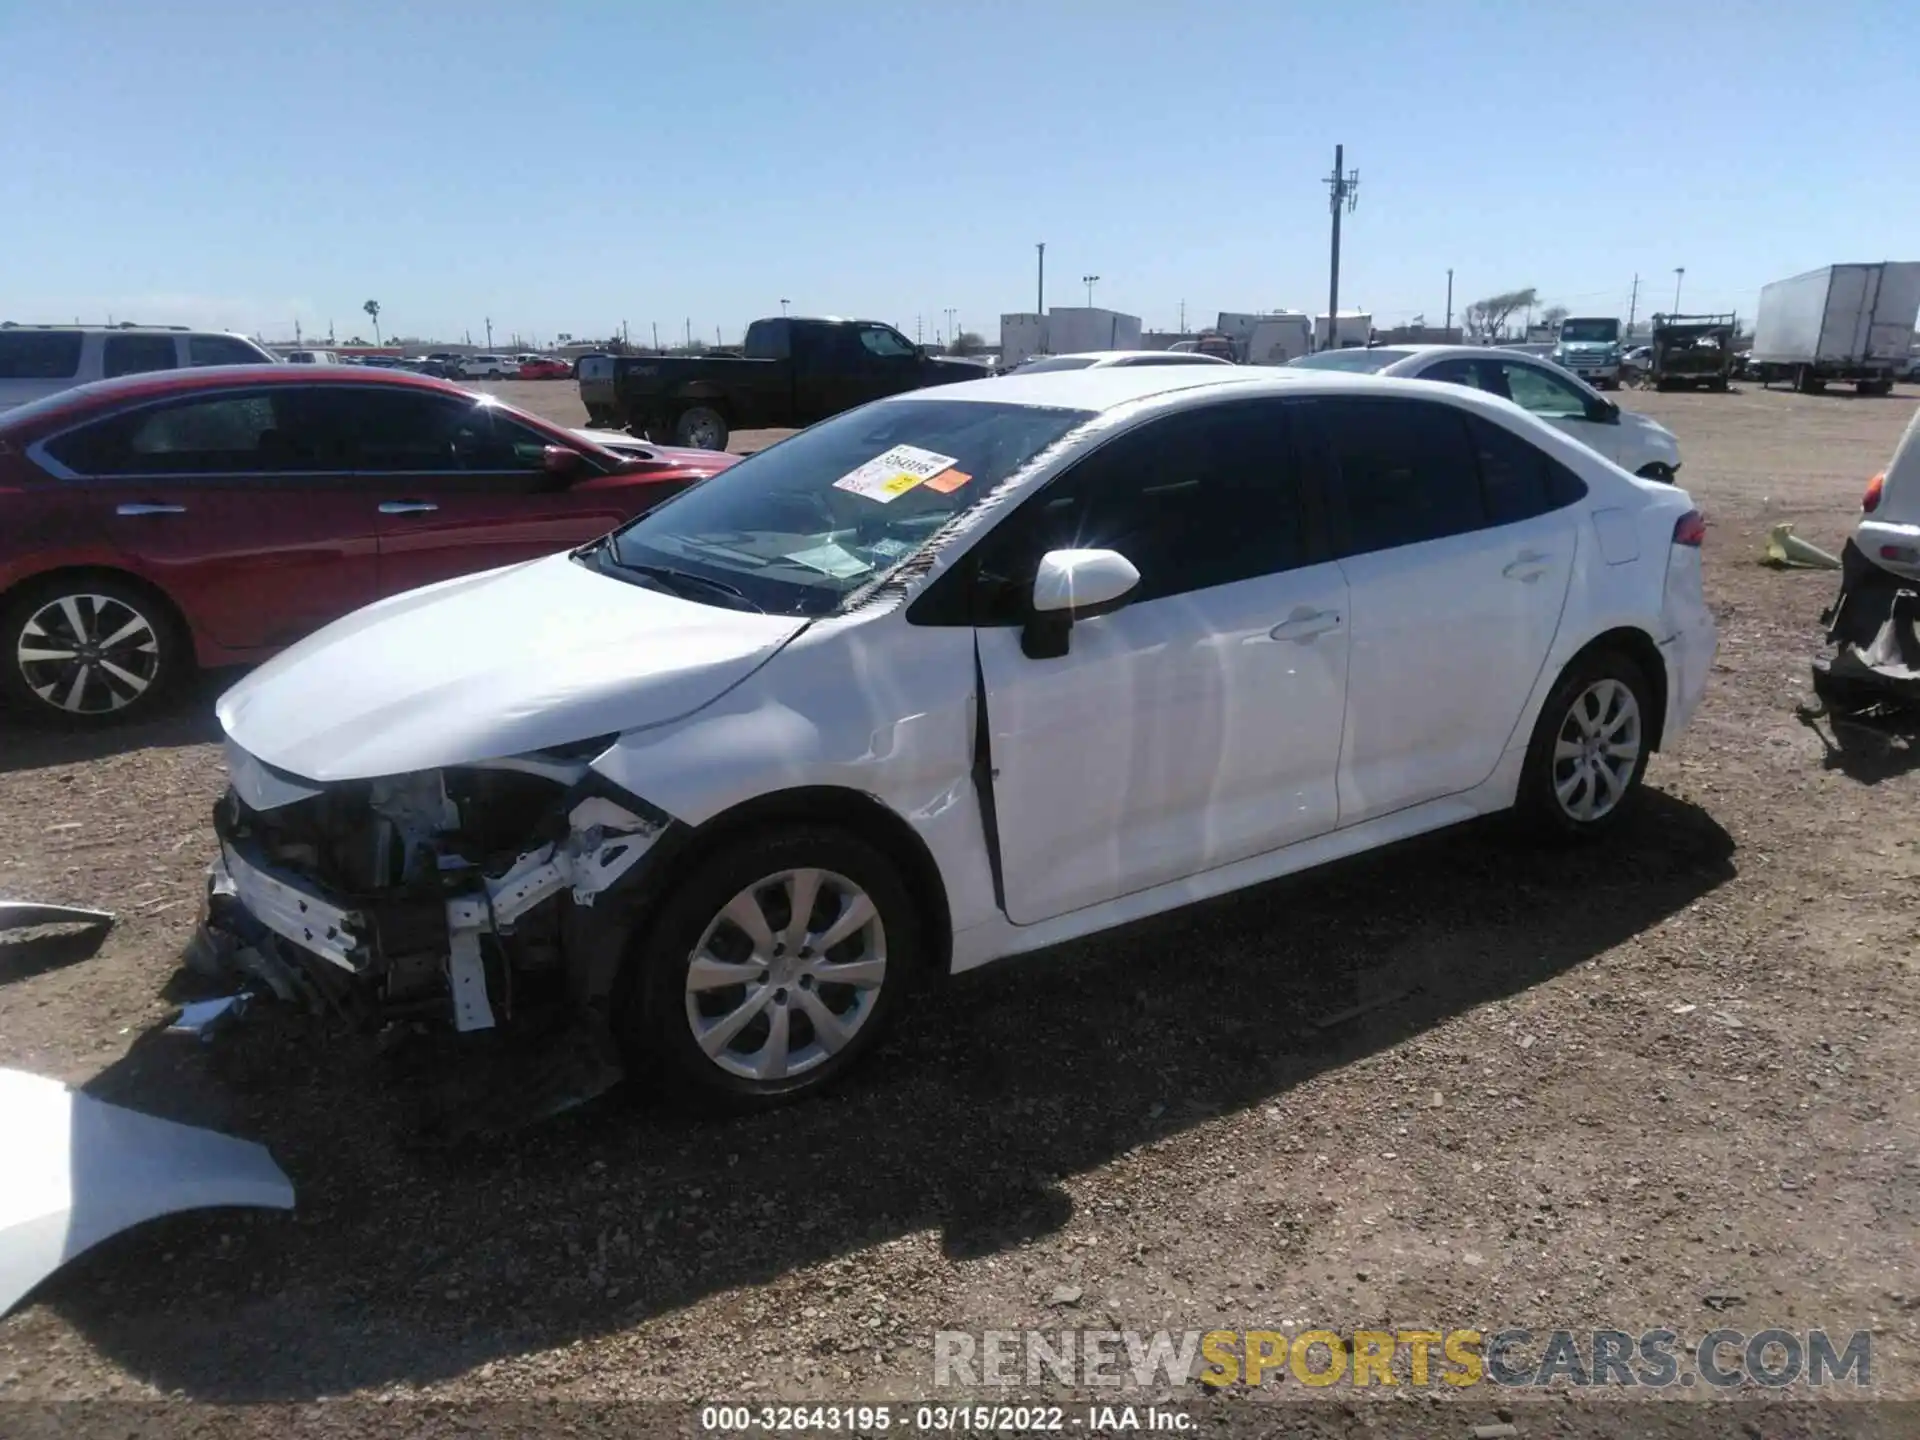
[1518,479]
[1401,472]
[211,435]
[221,350]
[136,354]
[39,355]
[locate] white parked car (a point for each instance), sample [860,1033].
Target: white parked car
[958,674]
[488,367]
[41,360]
[312,357]
[1106,359]
[1632,441]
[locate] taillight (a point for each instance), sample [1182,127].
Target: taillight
[1690,529]
[1870,502]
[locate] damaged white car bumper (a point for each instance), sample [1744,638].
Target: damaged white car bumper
[79,1170]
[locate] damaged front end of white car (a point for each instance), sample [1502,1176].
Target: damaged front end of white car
[476,896]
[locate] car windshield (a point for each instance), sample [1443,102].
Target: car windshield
[1053,362]
[1581,332]
[1359,360]
[796,528]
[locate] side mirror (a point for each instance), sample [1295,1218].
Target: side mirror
[560,463]
[1603,412]
[1074,585]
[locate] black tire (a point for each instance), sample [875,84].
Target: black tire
[658,1013]
[38,690]
[1539,804]
[701,427]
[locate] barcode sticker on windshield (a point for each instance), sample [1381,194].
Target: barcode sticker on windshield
[887,477]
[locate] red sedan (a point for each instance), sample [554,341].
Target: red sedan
[213,516]
[544,369]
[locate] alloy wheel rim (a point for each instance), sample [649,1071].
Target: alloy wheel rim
[88,654]
[786,975]
[1597,750]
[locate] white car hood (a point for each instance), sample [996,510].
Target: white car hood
[500,663]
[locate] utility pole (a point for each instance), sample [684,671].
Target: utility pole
[1089,281]
[1040,295]
[1446,335]
[951,332]
[1679,274]
[716,336]
[1183,317]
[656,337]
[624,336]
[1343,194]
[1633,306]
[919,334]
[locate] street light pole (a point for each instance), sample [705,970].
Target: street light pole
[1447,332]
[1040,295]
[1679,274]
[783,306]
[1088,281]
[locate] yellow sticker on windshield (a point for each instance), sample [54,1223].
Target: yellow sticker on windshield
[887,477]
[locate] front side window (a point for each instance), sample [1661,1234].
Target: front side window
[796,528]
[1548,396]
[1401,471]
[137,354]
[1474,374]
[1204,497]
[879,341]
[40,354]
[221,350]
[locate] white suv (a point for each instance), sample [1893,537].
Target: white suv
[488,367]
[37,360]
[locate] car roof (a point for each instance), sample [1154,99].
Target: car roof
[105,394]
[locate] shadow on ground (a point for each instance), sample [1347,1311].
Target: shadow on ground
[186,719]
[403,1265]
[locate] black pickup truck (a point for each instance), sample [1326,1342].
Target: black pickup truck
[793,373]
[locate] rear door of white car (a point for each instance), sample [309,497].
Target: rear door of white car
[1457,539]
[1200,723]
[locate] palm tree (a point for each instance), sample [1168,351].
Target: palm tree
[372,307]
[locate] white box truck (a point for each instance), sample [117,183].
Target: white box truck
[1838,323]
[1355,327]
[1270,339]
[1022,336]
[1073,329]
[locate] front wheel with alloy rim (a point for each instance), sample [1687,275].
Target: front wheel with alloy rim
[1589,749]
[773,967]
[91,650]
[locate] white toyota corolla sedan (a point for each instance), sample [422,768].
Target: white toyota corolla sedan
[956,675]
[1632,441]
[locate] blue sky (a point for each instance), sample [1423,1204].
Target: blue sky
[567,165]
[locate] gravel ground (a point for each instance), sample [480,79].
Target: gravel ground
[1665,1083]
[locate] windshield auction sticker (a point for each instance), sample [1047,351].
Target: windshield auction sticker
[887,477]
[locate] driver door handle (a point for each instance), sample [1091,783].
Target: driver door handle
[406,507]
[1528,568]
[1304,624]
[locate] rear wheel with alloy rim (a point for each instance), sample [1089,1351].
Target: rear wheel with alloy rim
[1589,749]
[87,651]
[774,967]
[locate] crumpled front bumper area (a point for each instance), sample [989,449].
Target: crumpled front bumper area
[422,913]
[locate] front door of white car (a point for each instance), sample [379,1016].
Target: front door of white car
[1556,399]
[1200,723]
[1457,539]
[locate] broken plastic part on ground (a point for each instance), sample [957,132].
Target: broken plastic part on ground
[1875,667]
[79,1170]
[29,914]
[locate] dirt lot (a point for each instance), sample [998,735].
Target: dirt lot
[1668,1083]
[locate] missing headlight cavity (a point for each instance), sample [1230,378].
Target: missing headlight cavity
[473,898]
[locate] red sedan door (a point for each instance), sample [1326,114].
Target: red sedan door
[236,506]
[462,487]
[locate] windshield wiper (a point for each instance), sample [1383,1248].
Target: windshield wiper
[678,580]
